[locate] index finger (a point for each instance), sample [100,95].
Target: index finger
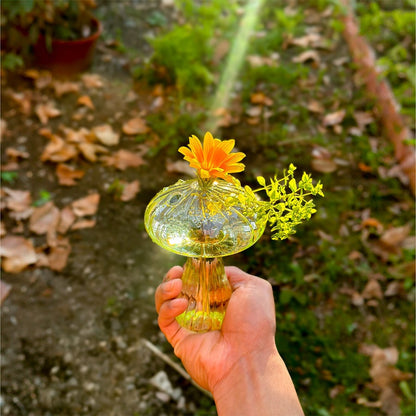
[174,273]
[168,289]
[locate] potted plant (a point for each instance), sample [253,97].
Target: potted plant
[61,34]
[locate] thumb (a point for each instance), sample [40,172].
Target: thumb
[238,278]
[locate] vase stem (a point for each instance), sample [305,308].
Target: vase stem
[205,285]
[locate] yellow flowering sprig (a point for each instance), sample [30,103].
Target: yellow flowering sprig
[289,201]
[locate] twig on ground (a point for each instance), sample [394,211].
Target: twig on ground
[173,365]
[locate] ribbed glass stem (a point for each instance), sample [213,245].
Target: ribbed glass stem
[205,285]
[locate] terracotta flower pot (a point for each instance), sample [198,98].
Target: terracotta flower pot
[67,57]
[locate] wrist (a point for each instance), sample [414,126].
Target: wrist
[258,383]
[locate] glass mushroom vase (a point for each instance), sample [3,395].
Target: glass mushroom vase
[204,219]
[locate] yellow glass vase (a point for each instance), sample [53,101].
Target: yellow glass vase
[204,220]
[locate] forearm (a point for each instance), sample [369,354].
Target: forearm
[258,385]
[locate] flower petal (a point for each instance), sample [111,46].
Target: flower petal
[227,145]
[186,152]
[208,148]
[196,147]
[213,158]
[235,157]
[237,167]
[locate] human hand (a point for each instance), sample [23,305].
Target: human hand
[248,328]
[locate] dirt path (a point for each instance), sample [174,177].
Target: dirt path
[71,339]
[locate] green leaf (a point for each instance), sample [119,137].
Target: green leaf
[8,176]
[292,185]
[285,296]
[261,180]
[44,197]
[249,191]
[404,387]
[11,61]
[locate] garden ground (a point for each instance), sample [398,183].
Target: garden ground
[82,158]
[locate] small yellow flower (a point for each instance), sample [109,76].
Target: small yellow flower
[213,159]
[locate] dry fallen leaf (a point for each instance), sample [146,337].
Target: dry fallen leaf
[315,106]
[134,126]
[258,60]
[309,55]
[92,81]
[79,114]
[157,103]
[394,288]
[86,101]
[364,168]
[67,174]
[261,98]
[372,222]
[180,166]
[66,219]
[9,166]
[65,87]
[44,218]
[45,111]
[395,236]
[254,111]
[15,154]
[86,206]
[23,99]
[386,376]
[124,159]
[334,118]
[42,79]
[81,224]
[384,251]
[355,255]
[311,39]
[58,256]
[57,150]
[18,253]
[372,290]
[324,165]
[341,60]
[106,135]
[322,160]
[357,299]
[16,200]
[224,118]
[31,73]
[5,289]
[130,190]
[89,150]
[81,135]
[363,118]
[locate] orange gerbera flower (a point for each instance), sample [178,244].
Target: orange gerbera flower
[213,159]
